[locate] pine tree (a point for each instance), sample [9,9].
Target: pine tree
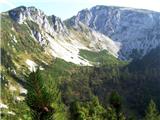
[152,113]
[42,94]
[111,114]
[116,103]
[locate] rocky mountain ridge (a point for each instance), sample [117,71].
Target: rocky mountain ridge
[58,40]
[132,33]
[137,30]
[51,24]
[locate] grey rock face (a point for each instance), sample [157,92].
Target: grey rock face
[51,24]
[57,24]
[17,14]
[136,29]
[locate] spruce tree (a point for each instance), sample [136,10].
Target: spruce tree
[116,103]
[111,114]
[152,113]
[42,94]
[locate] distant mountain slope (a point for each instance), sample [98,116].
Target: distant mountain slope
[30,39]
[150,61]
[56,39]
[137,30]
[90,64]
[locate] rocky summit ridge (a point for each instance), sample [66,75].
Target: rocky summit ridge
[126,33]
[137,30]
[51,24]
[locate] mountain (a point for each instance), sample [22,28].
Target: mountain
[136,30]
[31,39]
[22,13]
[62,42]
[91,54]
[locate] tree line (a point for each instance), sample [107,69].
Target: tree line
[45,102]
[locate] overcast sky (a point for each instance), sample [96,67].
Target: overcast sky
[67,8]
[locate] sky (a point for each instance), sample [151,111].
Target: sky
[67,8]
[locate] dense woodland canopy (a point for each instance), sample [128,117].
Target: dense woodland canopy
[114,91]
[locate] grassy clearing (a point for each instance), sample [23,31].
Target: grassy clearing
[103,57]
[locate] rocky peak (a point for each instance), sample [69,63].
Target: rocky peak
[84,16]
[57,23]
[136,29]
[17,14]
[52,26]
[22,13]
